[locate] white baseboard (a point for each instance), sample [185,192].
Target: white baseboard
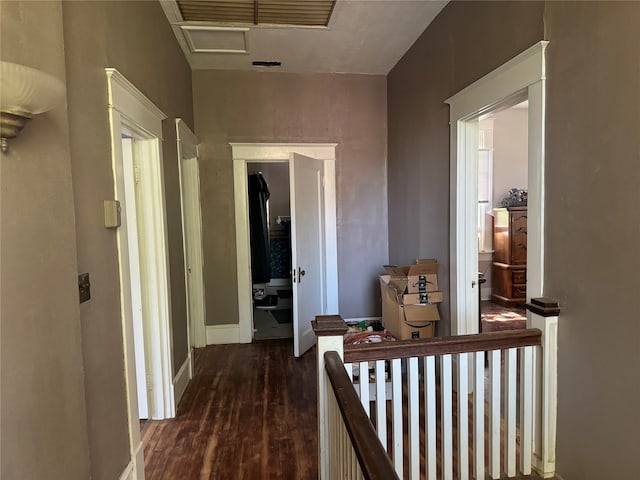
[128,472]
[181,380]
[362,319]
[131,471]
[219,334]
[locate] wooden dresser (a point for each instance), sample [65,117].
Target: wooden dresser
[510,256]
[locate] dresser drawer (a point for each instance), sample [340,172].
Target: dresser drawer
[519,291]
[519,276]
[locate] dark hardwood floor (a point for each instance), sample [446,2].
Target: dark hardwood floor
[248,413]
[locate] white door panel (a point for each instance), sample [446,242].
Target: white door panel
[307,233]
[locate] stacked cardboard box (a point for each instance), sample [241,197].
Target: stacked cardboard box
[410,296]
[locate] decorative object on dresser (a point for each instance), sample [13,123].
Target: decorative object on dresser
[510,256]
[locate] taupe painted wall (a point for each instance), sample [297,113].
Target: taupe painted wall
[510,152]
[274,107]
[466,41]
[593,172]
[44,427]
[592,232]
[135,38]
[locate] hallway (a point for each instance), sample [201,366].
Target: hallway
[248,413]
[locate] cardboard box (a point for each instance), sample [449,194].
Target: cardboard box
[415,298]
[407,320]
[423,276]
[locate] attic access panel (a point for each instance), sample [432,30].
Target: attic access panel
[258,12]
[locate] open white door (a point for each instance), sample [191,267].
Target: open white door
[307,233]
[131,218]
[188,170]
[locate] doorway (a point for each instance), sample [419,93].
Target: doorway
[520,79]
[502,217]
[136,135]
[312,169]
[270,234]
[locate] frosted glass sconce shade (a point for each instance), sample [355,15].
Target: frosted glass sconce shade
[24,92]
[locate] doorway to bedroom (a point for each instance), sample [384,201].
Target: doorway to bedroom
[270,245]
[502,217]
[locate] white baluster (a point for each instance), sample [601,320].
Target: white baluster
[510,410]
[430,416]
[364,385]
[381,403]
[414,418]
[396,405]
[494,414]
[478,416]
[333,436]
[349,368]
[526,410]
[345,454]
[463,416]
[447,421]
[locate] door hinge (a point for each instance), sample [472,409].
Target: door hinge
[136,173]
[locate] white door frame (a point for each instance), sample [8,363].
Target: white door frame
[129,167]
[188,172]
[523,77]
[244,153]
[129,109]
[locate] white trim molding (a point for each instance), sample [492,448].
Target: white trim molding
[222,334]
[182,378]
[125,97]
[135,468]
[244,153]
[521,78]
[129,109]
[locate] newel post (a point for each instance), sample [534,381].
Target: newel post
[329,330]
[543,314]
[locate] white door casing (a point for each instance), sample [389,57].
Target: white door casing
[244,153]
[521,78]
[130,110]
[307,248]
[188,171]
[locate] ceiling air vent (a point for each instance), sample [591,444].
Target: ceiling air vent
[308,13]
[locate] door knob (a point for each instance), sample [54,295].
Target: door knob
[301,273]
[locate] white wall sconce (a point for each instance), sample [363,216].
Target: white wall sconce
[24,92]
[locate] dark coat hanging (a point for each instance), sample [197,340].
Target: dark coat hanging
[259,229]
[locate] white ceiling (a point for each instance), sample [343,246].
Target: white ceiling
[363,36]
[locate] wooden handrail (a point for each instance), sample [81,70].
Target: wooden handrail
[442,345]
[373,459]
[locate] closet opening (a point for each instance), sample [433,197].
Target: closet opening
[270,247]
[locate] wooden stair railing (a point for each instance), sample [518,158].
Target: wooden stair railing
[347,416]
[422,383]
[461,361]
